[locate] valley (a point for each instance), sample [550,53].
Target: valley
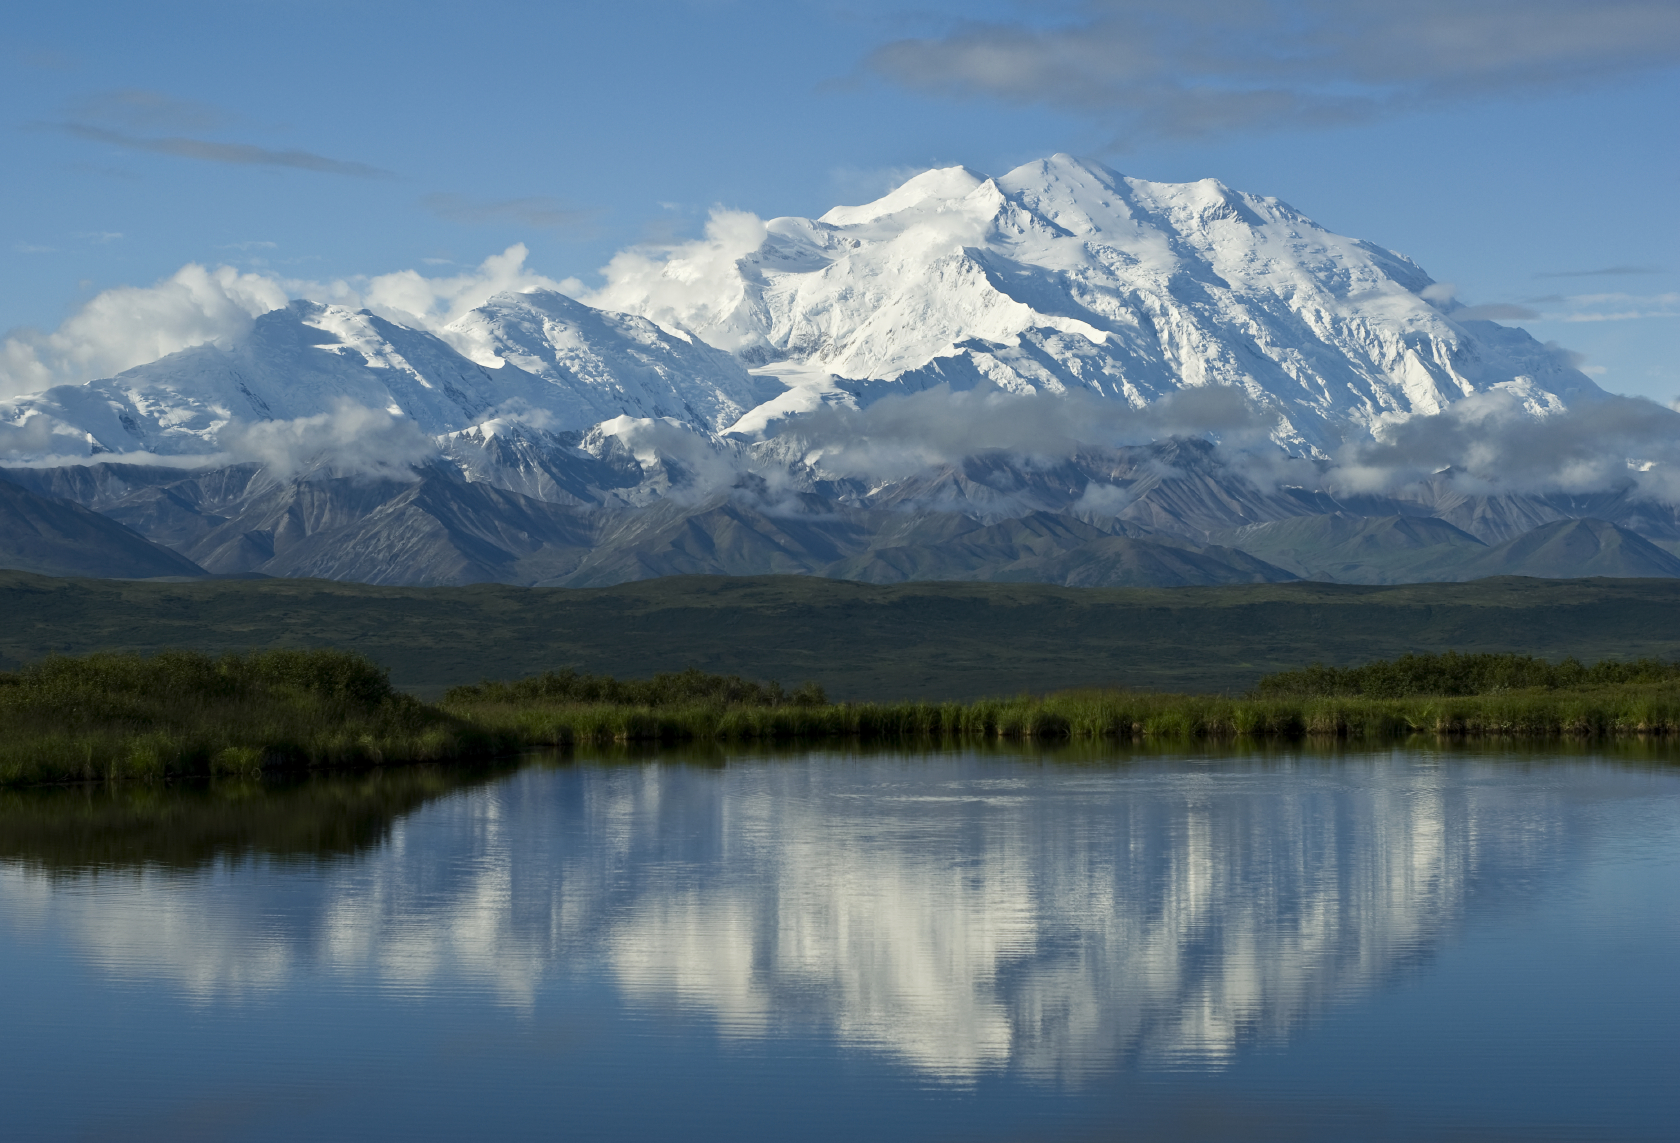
[861,642]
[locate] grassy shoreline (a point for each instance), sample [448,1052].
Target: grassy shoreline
[179,714]
[1124,716]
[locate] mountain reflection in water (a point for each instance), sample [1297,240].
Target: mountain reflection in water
[956,912]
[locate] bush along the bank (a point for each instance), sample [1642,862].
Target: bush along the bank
[1117,715]
[183,713]
[671,689]
[1477,694]
[1452,674]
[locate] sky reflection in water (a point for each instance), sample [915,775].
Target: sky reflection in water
[954,945]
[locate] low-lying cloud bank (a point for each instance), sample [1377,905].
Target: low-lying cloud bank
[352,440]
[1489,441]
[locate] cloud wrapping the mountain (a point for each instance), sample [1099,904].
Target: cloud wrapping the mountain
[691,284]
[898,436]
[1493,445]
[1490,441]
[1202,67]
[409,297]
[133,325]
[128,326]
[352,440]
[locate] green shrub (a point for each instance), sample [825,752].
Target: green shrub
[1455,674]
[668,689]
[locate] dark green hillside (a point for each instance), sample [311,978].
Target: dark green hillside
[1360,549]
[1400,549]
[56,537]
[860,641]
[1045,547]
[1574,548]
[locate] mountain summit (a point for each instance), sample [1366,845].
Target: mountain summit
[1063,275]
[969,378]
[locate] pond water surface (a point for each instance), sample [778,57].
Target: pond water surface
[844,945]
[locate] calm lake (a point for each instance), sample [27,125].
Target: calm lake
[963,944]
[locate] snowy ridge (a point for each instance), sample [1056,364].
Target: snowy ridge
[1064,275]
[1060,276]
[538,356]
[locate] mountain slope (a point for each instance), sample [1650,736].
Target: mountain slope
[1063,275]
[1343,548]
[56,537]
[540,356]
[1570,549]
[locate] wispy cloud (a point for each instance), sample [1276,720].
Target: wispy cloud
[1607,307]
[247,246]
[1495,311]
[140,109]
[1203,67]
[238,154]
[32,248]
[1607,272]
[537,211]
[48,60]
[100,237]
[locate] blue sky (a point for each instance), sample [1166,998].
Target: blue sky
[1526,151]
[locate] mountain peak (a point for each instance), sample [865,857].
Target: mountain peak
[935,188]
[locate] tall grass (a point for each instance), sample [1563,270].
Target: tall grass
[667,689]
[182,713]
[1122,715]
[1451,673]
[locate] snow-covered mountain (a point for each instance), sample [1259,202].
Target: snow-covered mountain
[718,407]
[1059,276]
[539,356]
[1063,275]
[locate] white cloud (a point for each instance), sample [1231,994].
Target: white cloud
[410,297]
[1495,445]
[1612,307]
[677,285]
[351,440]
[130,326]
[897,436]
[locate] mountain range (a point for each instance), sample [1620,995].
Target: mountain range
[970,378]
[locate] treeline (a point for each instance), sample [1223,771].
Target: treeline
[663,690]
[1452,674]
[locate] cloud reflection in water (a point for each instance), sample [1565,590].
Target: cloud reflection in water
[958,914]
